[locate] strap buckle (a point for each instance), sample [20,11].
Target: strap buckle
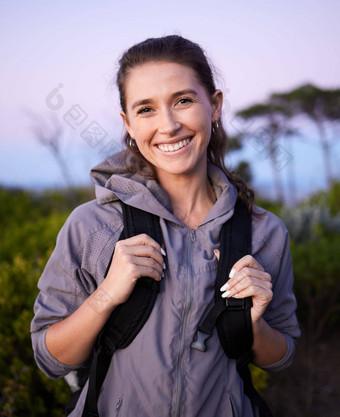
[200,341]
[236,304]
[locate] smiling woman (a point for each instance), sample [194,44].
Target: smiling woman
[173,172]
[170,115]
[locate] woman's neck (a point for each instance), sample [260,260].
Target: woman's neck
[191,197]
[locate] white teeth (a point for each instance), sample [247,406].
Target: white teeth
[175,146]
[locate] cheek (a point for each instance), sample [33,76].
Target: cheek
[201,119]
[140,131]
[144,127]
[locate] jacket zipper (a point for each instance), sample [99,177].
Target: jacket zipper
[184,331]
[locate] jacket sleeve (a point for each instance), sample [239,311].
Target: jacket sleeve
[272,250]
[74,270]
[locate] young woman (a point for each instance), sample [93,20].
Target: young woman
[173,166]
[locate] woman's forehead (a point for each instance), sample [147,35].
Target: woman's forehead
[158,78]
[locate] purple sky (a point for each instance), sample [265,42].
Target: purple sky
[258,47]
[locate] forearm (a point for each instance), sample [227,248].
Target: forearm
[269,344]
[71,340]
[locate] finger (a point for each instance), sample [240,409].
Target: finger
[249,272]
[262,295]
[144,240]
[146,252]
[149,271]
[246,277]
[245,261]
[140,247]
[136,267]
[148,262]
[245,284]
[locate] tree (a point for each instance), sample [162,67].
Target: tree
[49,132]
[243,168]
[271,121]
[322,108]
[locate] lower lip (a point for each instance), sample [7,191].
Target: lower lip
[176,152]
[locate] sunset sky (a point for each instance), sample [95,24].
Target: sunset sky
[71,48]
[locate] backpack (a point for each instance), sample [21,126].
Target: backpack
[230,316]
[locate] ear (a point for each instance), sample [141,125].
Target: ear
[126,123]
[217,102]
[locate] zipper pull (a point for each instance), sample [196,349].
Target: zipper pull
[119,403]
[192,235]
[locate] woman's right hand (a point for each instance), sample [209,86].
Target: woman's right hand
[133,258]
[71,340]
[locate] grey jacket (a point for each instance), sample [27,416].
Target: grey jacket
[159,374]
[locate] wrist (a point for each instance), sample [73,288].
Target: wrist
[258,325]
[101,301]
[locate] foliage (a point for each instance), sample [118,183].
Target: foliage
[321,107]
[317,268]
[259,377]
[269,205]
[329,199]
[313,101]
[29,225]
[277,118]
[309,222]
[314,228]
[244,171]
[269,121]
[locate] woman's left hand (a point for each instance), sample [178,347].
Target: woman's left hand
[249,279]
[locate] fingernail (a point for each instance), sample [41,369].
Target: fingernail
[232,273]
[235,296]
[215,252]
[163,275]
[163,252]
[225,294]
[164,266]
[224,287]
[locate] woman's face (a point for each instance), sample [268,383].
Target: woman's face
[169,114]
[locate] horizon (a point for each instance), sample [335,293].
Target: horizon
[258,48]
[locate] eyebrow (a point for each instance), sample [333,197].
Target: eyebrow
[145,101]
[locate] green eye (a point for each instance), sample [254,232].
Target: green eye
[185,101]
[144,110]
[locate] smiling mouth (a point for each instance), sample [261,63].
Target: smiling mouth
[174,146]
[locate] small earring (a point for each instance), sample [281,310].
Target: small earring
[133,145]
[213,128]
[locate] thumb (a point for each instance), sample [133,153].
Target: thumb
[217,254]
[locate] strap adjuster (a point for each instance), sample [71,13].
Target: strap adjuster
[236,304]
[200,341]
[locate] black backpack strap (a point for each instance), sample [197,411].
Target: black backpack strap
[232,316]
[234,325]
[235,242]
[128,318]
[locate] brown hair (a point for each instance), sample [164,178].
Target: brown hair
[177,49]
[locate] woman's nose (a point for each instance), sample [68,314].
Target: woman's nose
[168,124]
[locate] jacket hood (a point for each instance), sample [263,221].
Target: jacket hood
[113,182]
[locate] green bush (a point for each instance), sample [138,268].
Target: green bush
[314,228]
[29,225]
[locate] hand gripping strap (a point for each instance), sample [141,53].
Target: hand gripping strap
[127,319]
[234,324]
[230,316]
